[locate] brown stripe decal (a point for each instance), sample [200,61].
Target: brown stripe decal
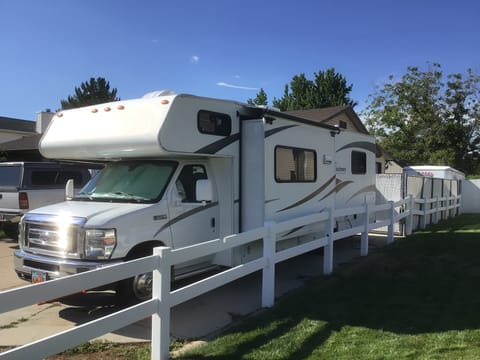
[185,215]
[362,145]
[310,196]
[218,145]
[340,185]
[370,188]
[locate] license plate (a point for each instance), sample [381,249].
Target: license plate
[38,277]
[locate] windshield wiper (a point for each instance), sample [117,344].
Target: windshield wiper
[112,195]
[126,195]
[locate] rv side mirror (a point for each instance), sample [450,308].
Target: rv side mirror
[69,190]
[203,190]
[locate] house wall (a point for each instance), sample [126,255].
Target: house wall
[393,168]
[342,117]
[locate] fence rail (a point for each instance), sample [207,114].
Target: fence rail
[163,298]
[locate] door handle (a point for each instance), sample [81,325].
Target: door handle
[212,222]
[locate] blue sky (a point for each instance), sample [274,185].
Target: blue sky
[222,48]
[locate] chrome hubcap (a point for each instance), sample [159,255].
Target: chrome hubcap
[142,286]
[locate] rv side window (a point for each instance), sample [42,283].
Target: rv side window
[295,164]
[187,182]
[359,163]
[213,123]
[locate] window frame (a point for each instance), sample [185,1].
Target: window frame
[355,168]
[190,191]
[293,148]
[224,130]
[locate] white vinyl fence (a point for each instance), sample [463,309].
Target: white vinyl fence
[394,187]
[471,196]
[160,263]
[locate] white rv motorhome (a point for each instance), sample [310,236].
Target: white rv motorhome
[183,169]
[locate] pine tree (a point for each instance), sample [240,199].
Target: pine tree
[94,91]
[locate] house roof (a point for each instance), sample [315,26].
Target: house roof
[24,143]
[10,124]
[324,115]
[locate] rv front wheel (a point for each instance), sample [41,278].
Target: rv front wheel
[142,286]
[137,288]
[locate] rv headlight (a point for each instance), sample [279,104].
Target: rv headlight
[99,243]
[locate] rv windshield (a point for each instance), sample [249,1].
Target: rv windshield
[129,181]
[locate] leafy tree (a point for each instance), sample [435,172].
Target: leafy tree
[332,89]
[260,99]
[328,88]
[421,119]
[94,91]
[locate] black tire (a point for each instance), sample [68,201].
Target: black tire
[11,230]
[136,289]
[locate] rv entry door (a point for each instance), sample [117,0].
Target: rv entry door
[192,221]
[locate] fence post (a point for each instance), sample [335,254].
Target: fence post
[328,249]
[364,238]
[423,220]
[409,218]
[458,202]
[161,319]
[437,210]
[444,206]
[392,223]
[268,271]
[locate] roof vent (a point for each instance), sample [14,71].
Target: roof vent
[158,93]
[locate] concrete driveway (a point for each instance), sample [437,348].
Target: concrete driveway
[197,318]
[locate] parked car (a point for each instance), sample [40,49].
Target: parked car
[28,185]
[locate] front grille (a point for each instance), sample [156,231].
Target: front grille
[53,237]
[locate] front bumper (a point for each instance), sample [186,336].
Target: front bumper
[26,263]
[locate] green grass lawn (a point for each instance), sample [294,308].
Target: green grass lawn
[416,299]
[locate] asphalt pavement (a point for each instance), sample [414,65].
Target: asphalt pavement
[198,318]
